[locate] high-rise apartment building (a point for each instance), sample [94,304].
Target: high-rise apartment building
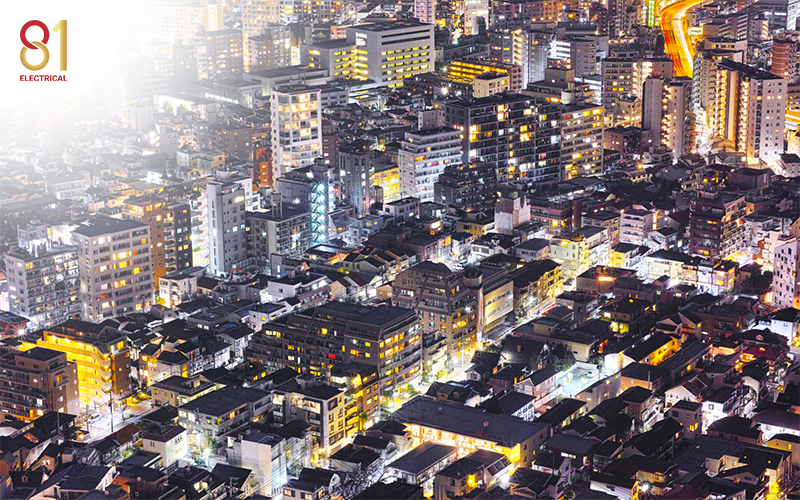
[296,127]
[581,140]
[389,52]
[303,11]
[176,20]
[38,381]
[786,56]
[43,279]
[283,231]
[716,225]
[652,106]
[678,122]
[116,267]
[786,278]
[668,113]
[619,81]
[704,79]
[226,206]
[581,54]
[473,10]
[535,53]
[750,110]
[518,134]
[355,160]
[423,156]
[219,53]
[315,340]
[470,187]
[170,231]
[270,48]
[257,16]
[425,11]
[101,354]
[444,301]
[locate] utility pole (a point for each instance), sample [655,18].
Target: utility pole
[111,410]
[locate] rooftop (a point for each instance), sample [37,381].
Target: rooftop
[108,225]
[504,430]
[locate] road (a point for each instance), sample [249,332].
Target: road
[676,37]
[100,427]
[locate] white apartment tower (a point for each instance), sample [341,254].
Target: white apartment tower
[750,110]
[115,268]
[425,11]
[423,156]
[226,207]
[389,52]
[786,280]
[296,127]
[678,122]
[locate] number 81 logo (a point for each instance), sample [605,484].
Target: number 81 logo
[60,28]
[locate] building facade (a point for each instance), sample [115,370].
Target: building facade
[115,266]
[424,155]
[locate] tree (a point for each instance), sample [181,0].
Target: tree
[561,357]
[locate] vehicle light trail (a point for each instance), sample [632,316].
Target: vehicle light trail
[676,36]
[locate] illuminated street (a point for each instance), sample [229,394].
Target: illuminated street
[676,37]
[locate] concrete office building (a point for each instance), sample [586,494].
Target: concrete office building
[337,56]
[116,268]
[390,52]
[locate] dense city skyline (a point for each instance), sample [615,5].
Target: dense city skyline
[401,249]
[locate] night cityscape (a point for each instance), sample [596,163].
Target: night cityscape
[402,249]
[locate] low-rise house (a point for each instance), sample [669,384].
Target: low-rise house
[470,428]
[209,417]
[481,469]
[176,390]
[420,465]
